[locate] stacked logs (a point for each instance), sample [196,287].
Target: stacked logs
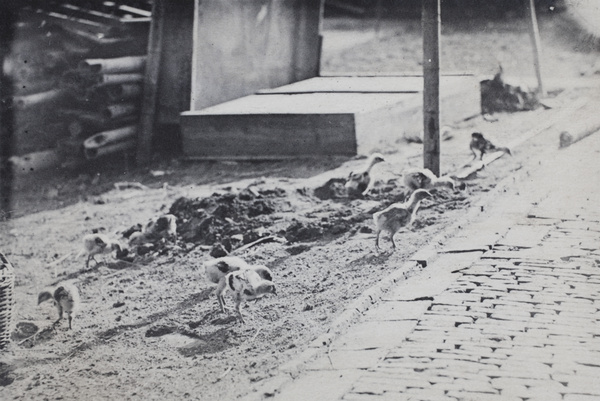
[76,72]
[104,117]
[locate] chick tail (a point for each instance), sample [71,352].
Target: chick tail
[506,150]
[44,296]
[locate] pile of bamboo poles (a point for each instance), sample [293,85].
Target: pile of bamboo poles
[76,72]
[104,118]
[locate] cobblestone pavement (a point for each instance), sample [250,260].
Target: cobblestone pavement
[509,310]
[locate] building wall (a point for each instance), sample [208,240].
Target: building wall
[244,46]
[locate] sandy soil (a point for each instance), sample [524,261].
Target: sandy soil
[151,329]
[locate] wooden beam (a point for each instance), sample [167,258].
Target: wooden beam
[7,33]
[535,41]
[147,121]
[431,91]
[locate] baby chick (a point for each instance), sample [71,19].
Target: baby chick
[164,226]
[66,299]
[481,145]
[98,244]
[423,178]
[359,182]
[217,269]
[247,284]
[398,215]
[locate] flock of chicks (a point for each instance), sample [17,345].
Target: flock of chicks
[250,282]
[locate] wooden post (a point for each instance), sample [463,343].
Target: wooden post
[147,120]
[431,92]
[535,41]
[6,112]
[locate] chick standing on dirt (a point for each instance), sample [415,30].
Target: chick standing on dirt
[481,145]
[164,226]
[423,178]
[359,182]
[66,299]
[247,284]
[398,215]
[217,269]
[98,244]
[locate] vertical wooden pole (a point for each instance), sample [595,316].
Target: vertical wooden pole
[431,91]
[535,41]
[7,31]
[148,120]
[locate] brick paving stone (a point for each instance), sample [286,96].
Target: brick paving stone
[397,310]
[580,397]
[375,334]
[317,386]
[424,394]
[368,397]
[376,384]
[343,359]
[475,396]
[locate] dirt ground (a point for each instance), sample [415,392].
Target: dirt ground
[151,329]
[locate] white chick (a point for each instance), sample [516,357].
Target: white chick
[66,299]
[246,285]
[164,226]
[398,215]
[423,178]
[217,269]
[360,182]
[98,244]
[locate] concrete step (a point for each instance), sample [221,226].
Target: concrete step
[322,116]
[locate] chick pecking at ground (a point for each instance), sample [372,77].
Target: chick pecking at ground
[360,181]
[66,299]
[247,285]
[398,215]
[423,178]
[217,269]
[480,146]
[164,226]
[98,244]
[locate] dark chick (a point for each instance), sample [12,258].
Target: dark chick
[480,146]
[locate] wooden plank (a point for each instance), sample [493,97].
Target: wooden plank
[147,119]
[307,103]
[92,15]
[217,136]
[7,116]
[365,84]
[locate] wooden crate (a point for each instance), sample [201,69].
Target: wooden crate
[322,116]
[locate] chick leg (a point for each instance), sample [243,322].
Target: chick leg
[392,239]
[377,241]
[60,315]
[70,317]
[238,309]
[87,263]
[221,287]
